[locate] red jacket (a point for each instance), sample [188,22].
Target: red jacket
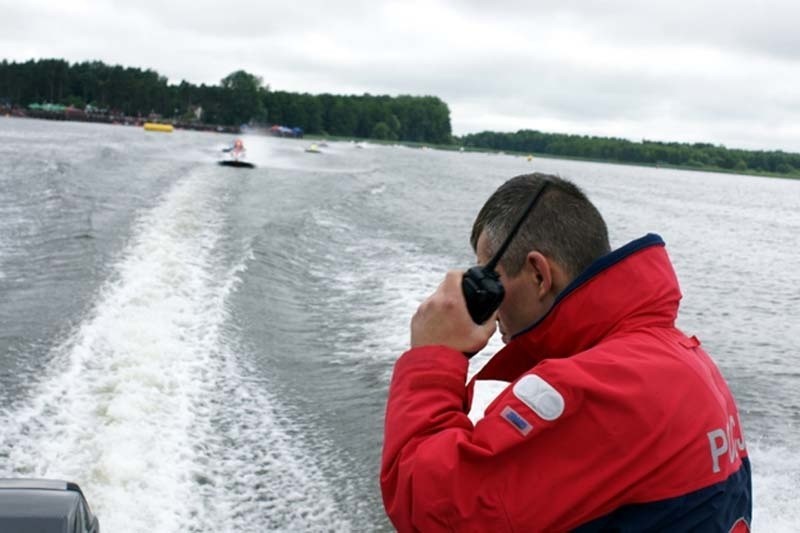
[613,419]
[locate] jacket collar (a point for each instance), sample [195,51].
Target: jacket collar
[632,287]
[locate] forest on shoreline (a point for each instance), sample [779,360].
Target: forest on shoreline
[240,98]
[702,156]
[243,98]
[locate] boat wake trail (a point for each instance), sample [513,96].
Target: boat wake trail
[148,407]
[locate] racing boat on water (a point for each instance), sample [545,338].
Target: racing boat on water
[44,506]
[236,163]
[236,155]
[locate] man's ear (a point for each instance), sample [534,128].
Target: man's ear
[541,273]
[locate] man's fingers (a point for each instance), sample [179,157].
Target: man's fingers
[443,318]
[448,296]
[489,327]
[453,278]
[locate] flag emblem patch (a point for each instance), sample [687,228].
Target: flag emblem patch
[516,420]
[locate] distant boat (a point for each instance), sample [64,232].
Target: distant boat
[313,149]
[236,163]
[155,126]
[236,154]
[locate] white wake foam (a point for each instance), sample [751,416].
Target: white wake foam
[146,407]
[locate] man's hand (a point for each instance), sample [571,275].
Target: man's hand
[443,319]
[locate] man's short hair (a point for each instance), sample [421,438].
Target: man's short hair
[564,226]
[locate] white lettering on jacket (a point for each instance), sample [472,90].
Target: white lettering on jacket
[722,441]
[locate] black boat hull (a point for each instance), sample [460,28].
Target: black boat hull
[237,164]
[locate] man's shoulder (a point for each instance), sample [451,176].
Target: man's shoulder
[642,368]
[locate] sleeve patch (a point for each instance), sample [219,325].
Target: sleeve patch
[516,420]
[540,396]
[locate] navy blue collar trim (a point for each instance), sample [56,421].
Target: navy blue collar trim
[599,265]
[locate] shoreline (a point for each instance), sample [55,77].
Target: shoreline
[114,120]
[475,149]
[215,128]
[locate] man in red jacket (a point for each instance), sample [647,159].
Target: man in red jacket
[613,420]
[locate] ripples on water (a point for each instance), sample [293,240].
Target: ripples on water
[209,349]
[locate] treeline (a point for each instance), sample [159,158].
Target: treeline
[240,98]
[696,155]
[404,118]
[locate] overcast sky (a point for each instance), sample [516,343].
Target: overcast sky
[726,72]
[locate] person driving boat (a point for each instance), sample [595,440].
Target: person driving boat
[237,151]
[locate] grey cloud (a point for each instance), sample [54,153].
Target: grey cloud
[633,66]
[764,28]
[244,18]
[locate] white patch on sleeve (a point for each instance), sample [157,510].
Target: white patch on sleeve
[540,396]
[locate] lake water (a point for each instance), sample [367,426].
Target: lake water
[207,348]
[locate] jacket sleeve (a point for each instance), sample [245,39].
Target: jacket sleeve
[438,472]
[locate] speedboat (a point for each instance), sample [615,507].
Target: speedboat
[236,155]
[44,506]
[313,149]
[238,163]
